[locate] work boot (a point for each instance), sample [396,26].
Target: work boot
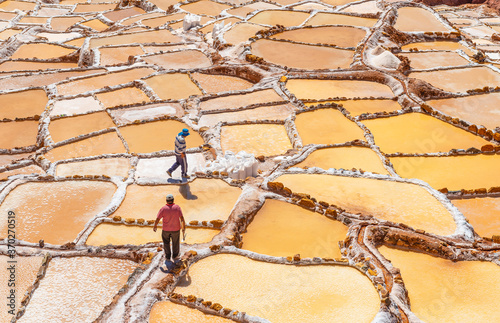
[186,176]
[169,173]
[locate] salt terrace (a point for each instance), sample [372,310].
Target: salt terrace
[343,159]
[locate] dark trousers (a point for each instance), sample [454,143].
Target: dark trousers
[173,236]
[179,161]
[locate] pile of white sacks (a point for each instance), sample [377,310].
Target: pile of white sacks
[237,166]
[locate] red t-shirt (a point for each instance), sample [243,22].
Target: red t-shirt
[170,215]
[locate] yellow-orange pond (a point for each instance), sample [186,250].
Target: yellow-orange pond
[340,36]
[453,172]
[478,109]
[168,312]
[357,107]
[426,60]
[55,211]
[420,133]
[102,166]
[158,135]
[108,143]
[460,79]
[437,45]
[281,17]
[324,18]
[415,19]
[22,104]
[444,291]
[220,83]
[186,59]
[386,200]
[124,96]
[97,82]
[326,126]
[281,229]
[173,86]
[120,234]
[302,56]
[196,200]
[257,139]
[241,100]
[483,213]
[274,112]
[346,158]
[41,51]
[281,293]
[324,89]
[66,128]
[18,134]
[241,32]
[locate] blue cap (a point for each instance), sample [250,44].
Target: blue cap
[184,132]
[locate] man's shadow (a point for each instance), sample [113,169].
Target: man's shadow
[185,191]
[184,280]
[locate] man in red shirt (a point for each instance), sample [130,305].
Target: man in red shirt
[173,221]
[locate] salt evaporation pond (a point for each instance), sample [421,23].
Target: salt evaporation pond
[427,60]
[218,278]
[281,229]
[324,89]
[326,126]
[240,100]
[281,17]
[460,79]
[163,312]
[441,290]
[22,104]
[55,212]
[172,86]
[220,83]
[345,158]
[339,36]
[357,107]
[196,199]
[419,133]
[437,45]
[462,172]
[116,234]
[124,96]
[386,200]
[257,139]
[107,143]
[302,56]
[90,284]
[483,213]
[109,166]
[324,18]
[27,269]
[418,19]
[465,108]
[154,136]
[18,134]
[66,128]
